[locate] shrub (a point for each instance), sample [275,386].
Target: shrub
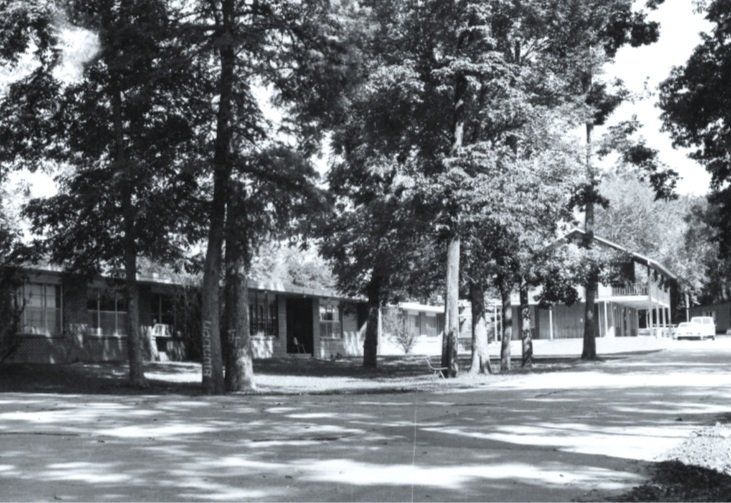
[394,326]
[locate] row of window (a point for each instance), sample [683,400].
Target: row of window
[428,324]
[107,312]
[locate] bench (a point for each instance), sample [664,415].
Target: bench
[436,371]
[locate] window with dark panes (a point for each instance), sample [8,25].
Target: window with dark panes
[41,309]
[263,313]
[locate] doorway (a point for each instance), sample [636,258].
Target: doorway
[299,326]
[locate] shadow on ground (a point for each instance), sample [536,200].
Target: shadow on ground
[595,430]
[394,374]
[676,481]
[88,378]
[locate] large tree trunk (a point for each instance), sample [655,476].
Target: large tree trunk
[480,354]
[370,344]
[526,331]
[505,290]
[134,341]
[589,349]
[238,355]
[213,382]
[451,317]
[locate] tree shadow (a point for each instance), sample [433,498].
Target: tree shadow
[100,378]
[676,481]
[581,434]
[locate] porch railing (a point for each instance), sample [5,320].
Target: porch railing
[629,290]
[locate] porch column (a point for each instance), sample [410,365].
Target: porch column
[649,300]
[650,321]
[606,320]
[550,323]
[662,321]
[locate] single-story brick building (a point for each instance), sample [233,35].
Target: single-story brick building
[68,318]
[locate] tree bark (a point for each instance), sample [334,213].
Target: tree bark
[480,355]
[134,342]
[451,317]
[505,290]
[526,331]
[589,346]
[238,355]
[370,344]
[213,381]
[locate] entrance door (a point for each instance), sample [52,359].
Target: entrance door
[299,326]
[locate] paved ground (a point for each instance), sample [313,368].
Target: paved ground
[557,435]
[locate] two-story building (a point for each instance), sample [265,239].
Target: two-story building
[638,302]
[639,299]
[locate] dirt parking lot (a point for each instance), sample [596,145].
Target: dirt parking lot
[567,431]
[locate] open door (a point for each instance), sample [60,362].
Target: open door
[299,326]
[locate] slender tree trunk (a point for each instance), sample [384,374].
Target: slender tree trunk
[213,382]
[370,344]
[505,290]
[589,348]
[526,331]
[451,318]
[480,354]
[238,355]
[451,315]
[135,352]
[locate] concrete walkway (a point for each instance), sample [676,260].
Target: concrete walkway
[548,436]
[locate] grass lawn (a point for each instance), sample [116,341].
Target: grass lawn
[273,376]
[290,375]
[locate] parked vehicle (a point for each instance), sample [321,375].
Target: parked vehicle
[699,327]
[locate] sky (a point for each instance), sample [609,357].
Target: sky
[640,68]
[680,29]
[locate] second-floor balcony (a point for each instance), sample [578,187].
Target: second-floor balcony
[633,292]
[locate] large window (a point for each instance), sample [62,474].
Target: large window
[162,309]
[330,325]
[107,312]
[41,309]
[263,313]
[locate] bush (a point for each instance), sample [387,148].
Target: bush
[394,326]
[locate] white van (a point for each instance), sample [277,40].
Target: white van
[699,327]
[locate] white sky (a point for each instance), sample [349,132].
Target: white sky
[679,34]
[640,68]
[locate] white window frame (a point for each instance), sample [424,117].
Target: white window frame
[118,331]
[334,325]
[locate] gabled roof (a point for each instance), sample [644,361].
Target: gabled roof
[653,264]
